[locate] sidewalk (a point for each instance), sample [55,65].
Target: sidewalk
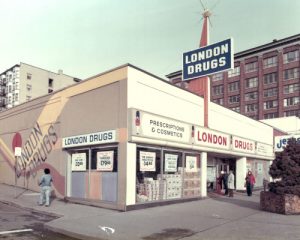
[217,217]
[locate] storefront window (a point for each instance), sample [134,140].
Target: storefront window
[191,187]
[104,159]
[164,174]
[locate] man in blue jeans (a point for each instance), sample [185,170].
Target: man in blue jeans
[45,183]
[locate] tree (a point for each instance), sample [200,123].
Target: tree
[285,169]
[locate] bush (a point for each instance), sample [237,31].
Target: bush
[286,168]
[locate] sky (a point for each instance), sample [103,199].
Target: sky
[85,38]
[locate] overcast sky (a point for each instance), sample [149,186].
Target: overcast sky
[88,37]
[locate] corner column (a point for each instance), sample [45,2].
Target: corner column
[203,158]
[241,170]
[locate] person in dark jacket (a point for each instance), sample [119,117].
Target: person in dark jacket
[225,182]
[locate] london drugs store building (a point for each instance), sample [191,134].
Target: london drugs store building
[126,138]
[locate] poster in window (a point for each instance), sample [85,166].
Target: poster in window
[259,168]
[191,164]
[105,161]
[171,162]
[147,161]
[79,162]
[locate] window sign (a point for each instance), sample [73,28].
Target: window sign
[171,162]
[191,164]
[147,161]
[78,161]
[105,161]
[259,168]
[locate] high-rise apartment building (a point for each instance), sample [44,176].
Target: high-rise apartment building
[22,82]
[264,83]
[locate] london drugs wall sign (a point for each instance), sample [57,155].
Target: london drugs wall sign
[207,60]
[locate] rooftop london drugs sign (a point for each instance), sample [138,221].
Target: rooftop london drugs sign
[207,60]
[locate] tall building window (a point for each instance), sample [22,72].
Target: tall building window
[271,115]
[251,96]
[9,100]
[218,90]
[292,113]
[217,77]
[270,78]
[252,82]
[28,98]
[234,72]
[291,101]
[291,56]
[9,88]
[291,73]
[29,76]
[270,104]
[251,108]
[50,83]
[28,87]
[270,62]
[251,67]
[271,92]
[234,86]
[17,97]
[291,88]
[234,99]
[236,109]
[219,101]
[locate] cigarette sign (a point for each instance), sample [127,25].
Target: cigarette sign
[105,161]
[208,60]
[147,161]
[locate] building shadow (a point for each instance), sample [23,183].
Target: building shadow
[239,200]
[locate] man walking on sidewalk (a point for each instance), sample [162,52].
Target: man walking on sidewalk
[45,183]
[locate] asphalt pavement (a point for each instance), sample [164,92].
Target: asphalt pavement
[216,217]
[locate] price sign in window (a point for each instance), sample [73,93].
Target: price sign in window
[105,161]
[171,162]
[78,162]
[147,161]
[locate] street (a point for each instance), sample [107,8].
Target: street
[16,223]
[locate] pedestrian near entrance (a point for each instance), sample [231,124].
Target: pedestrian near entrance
[225,182]
[45,184]
[250,181]
[230,183]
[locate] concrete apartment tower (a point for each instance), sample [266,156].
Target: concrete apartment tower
[23,82]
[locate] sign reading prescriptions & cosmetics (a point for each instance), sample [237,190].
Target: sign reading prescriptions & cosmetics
[147,161]
[78,162]
[156,127]
[210,138]
[171,162]
[191,164]
[243,145]
[105,161]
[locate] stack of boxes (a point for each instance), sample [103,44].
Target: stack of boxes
[152,190]
[169,186]
[191,187]
[173,184]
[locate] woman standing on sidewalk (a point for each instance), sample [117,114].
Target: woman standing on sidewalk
[230,181]
[250,181]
